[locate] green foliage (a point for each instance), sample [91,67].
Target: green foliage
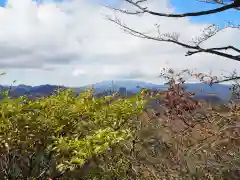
[83,137]
[51,136]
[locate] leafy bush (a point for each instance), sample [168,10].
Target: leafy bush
[84,137]
[55,136]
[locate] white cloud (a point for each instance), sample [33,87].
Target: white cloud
[74,42]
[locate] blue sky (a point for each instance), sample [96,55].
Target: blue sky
[2,2]
[194,5]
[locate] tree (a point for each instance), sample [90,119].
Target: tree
[194,48]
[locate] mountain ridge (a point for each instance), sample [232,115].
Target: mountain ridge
[220,90]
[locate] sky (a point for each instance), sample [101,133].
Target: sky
[69,42]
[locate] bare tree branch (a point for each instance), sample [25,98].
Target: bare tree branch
[174,39]
[221,2]
[228,79]
[234,26]
[194,48]
[189,53]
[142,10]
[207,33]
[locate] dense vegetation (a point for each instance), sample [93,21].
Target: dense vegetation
[52,136]
[67,137]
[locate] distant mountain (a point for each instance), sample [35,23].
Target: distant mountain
[222,91]
[202,90]
[31,91]
[130,85]
[218,89]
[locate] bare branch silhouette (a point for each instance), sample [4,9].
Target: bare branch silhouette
[173,38]
[142,10]
[221,2]
[194,46]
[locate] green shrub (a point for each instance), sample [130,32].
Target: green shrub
[61,134]
[84,137]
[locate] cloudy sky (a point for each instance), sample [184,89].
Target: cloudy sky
[69,42]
